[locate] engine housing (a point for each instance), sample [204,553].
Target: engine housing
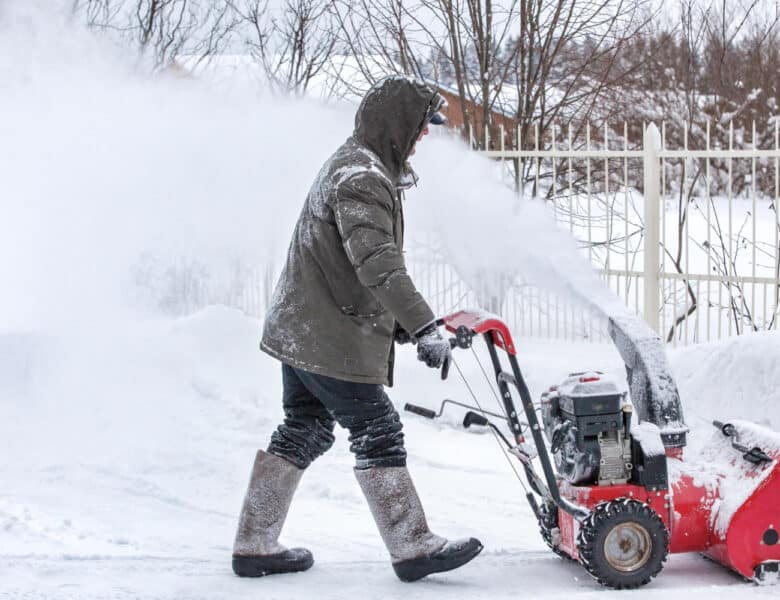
[587,422]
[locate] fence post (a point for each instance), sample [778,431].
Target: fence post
[652,168]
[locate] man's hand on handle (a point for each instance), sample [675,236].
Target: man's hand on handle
[432,348]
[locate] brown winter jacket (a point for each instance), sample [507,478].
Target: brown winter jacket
[345,284]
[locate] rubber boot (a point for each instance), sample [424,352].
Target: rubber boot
[257,550]
[414,550]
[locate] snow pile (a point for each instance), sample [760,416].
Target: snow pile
[732,381]
[736,377]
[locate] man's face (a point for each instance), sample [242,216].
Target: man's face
[423,133]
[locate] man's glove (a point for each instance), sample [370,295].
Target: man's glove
[432,348]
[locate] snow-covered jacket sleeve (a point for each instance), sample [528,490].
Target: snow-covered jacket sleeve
[366,219]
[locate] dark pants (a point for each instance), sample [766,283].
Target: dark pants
[314,403]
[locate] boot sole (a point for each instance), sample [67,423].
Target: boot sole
[273,564]
[417,568]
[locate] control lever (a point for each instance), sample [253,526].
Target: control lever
[462,339]
[473,418]
[469,419]
[753,455]
[429,414]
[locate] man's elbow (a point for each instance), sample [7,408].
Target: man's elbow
[379,278]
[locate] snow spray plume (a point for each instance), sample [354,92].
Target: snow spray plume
[108,172]
[486,229]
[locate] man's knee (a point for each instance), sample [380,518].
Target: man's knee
[301,440]
[376,438]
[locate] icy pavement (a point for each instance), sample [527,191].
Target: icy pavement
[126,456]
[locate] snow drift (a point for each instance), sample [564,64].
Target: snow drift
[738,377]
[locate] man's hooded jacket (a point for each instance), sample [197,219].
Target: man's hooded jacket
[344,284]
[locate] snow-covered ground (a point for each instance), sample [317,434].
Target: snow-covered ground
[126,453]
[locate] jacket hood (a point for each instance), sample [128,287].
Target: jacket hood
[390,118]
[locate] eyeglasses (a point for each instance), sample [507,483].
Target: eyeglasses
[433,116]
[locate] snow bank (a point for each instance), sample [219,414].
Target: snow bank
[736,377]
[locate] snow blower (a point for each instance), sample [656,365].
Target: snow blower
[622,495]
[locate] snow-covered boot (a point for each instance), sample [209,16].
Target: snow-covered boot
[414,550]
[257,551]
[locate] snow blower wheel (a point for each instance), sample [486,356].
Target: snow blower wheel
[623,544]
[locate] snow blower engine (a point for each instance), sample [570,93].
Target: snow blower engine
[623,496]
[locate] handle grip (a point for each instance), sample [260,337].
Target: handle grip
[726,428]
[419,410]
[472,418]
[445,367]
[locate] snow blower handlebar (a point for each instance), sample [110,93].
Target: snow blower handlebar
[467,324]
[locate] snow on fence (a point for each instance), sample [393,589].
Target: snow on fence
[670,234]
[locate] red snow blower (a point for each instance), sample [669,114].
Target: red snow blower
[624,496]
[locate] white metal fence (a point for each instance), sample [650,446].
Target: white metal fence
[687,237]
[698,260]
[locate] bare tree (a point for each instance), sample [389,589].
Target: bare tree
[466,37]
[164,30]
[561,63]
[294,44]
[375,39]
[96,12]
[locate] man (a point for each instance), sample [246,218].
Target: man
[342,298]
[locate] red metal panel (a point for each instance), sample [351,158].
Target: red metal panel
[569,531]
[691,511]
[482,322]
[590,496]
[741,546]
